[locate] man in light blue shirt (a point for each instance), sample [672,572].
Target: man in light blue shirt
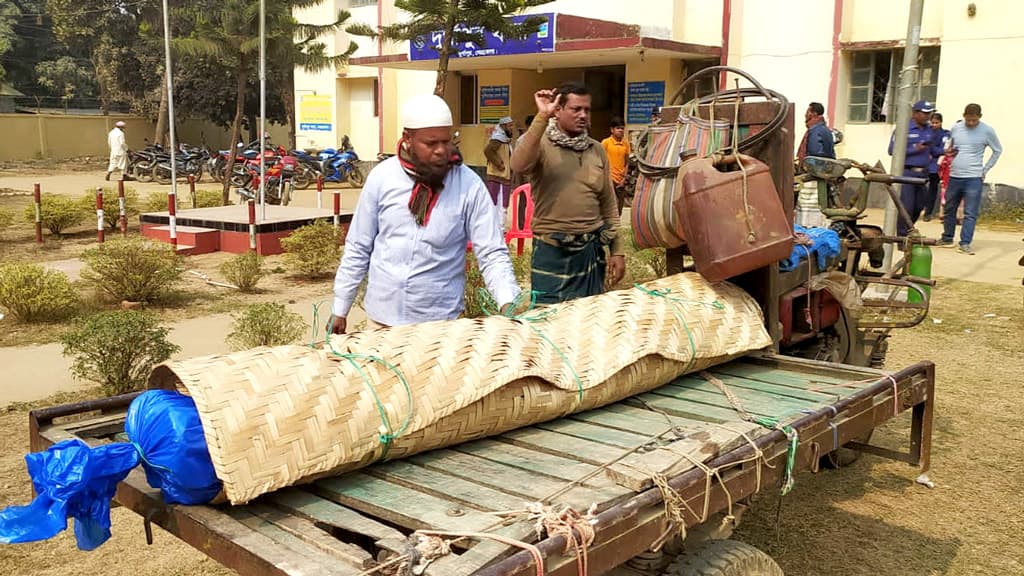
[408,235]
[968,140]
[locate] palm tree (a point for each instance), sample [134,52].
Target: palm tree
[452,18]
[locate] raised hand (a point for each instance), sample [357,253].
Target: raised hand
[547,101]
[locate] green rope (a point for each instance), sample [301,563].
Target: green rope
[767,422]
[677,312]
[530,316]
[316,323]
[390,434]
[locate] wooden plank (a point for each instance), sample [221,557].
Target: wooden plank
[776,390]
[814,369]
[596,433]
[701,447]
[636,421]
[486,551]
[401,505]
[447,486]
[311,557]
[561,467]
[792,378]
[311,534]
[565,446]
[756,403]
[527,486]
[686,408]
[596,453]
[317,509]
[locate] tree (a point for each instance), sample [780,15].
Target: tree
[66,77]
[459,21]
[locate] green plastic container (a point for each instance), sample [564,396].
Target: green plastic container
[920,266]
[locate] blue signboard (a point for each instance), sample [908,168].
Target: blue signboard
[543,40]
[641,98]
[315,126]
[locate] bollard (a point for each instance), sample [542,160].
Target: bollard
[37,198]
[100,228]
[319,192]
[252,225]
[337,209]
[192,189]
[172,218]
[123,213]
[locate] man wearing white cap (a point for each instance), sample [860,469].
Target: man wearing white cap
[499,173]
[408,235]
[118,150]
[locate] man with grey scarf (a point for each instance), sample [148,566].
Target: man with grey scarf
[576,214]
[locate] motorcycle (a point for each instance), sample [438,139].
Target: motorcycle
[340,165]
[280,183]
[189,162]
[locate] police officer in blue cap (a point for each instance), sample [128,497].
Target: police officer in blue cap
[919,155]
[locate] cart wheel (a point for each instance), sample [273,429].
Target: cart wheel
[844,457]
[724,558]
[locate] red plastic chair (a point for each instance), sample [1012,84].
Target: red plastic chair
[520,230]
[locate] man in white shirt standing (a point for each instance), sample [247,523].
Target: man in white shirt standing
[408,236]
[118,150]
[967,142]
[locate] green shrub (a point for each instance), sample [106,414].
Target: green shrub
[475,294]
[32,293]
[314,250]
[117,349]
[157,201]
[111,208]
[265,324]
[132,269]
[58,212]
[244,271]
[7,217]
[208,198]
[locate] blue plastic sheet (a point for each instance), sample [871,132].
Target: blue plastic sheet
[825,245]
[74,480]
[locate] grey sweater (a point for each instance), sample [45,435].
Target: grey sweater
[970,144]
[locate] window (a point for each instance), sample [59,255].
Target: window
[874,82]
[467,99]
[376,97]
[358,3]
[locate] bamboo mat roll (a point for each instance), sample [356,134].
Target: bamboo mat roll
[279,416]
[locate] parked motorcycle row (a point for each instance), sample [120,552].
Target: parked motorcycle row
[286,170]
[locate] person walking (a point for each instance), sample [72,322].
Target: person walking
[118,150]
[968,139]
[919,155]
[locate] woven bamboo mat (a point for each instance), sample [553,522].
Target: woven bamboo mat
[278,416]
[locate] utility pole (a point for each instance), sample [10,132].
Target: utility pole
[908,81]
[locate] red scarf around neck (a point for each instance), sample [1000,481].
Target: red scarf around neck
[424,197]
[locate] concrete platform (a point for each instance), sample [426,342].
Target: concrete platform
[226,228]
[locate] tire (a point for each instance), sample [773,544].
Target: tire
[723,558]
[844,457]
[303,178]
[356,178]
[161,176]
[143,172]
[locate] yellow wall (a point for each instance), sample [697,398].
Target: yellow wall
[871,20]
[29,136]
[668,70]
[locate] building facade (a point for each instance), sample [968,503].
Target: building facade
[846,54]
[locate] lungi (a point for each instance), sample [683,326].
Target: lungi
[567,266]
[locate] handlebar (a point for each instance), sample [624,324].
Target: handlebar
[888,179]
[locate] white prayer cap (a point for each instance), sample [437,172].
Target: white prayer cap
[426,111]
[120,124]
[505,120]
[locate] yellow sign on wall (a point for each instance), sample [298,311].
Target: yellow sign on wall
[315,113]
